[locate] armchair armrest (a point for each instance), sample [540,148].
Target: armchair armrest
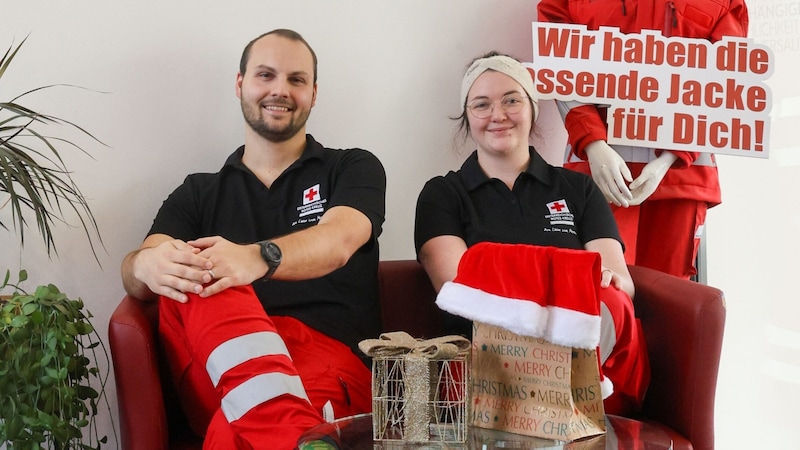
[683,323]
[131,331]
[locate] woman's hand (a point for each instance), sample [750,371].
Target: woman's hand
[608,277]
[614,271]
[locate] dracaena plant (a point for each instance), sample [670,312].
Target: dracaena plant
[34,180]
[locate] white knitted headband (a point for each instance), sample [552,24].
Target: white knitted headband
[505,65]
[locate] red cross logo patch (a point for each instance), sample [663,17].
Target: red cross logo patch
[558,207]
[311,194]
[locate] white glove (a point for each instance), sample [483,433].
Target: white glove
[653,172]
[610,173]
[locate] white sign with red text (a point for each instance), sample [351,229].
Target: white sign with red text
[670,93]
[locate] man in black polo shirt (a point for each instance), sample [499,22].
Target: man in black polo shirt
[287,227]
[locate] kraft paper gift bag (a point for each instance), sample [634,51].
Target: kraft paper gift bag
[529,386]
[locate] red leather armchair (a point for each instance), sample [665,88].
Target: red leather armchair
[683,324]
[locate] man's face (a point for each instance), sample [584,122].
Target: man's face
[277,91]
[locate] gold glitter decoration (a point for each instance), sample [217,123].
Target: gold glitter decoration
[418,388]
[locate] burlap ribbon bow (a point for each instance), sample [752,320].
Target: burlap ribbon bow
[417,355]
[400,343]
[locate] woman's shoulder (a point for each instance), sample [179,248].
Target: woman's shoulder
[452,177]
[447,184]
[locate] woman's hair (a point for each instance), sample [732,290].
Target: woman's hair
[462,132]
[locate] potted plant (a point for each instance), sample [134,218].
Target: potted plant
[50,383]
[48,349]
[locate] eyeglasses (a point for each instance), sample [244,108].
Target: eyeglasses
[482,108]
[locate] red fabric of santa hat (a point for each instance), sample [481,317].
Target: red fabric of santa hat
[543,292]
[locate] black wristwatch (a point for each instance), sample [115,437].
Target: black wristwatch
[272,256]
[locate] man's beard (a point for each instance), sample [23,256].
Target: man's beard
[255,119]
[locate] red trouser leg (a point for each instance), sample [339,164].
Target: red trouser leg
[225,355]
[627,364]
[330,371]
[668,235]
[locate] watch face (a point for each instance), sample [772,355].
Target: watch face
[272,253]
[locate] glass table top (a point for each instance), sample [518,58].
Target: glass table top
[355,433]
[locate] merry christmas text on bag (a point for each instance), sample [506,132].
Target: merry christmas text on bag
[529,386]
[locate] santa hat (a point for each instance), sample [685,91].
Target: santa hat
[543,292]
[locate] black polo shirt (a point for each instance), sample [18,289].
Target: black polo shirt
[549,206]
[235,204]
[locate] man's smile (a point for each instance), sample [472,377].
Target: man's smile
[276,108]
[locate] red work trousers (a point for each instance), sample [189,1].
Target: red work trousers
[623,353]
[250,381]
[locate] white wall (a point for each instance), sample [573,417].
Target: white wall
[389,80]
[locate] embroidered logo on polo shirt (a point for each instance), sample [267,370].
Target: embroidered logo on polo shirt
[313,203]
[311,194]
[559,213]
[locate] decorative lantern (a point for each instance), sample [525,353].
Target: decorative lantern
[420,388]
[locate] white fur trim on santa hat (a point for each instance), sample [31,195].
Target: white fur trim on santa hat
[572,328]
[524,317]
[606,387]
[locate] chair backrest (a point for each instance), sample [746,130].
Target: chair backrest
[408,300]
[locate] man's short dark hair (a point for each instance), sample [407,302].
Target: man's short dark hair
[283,32]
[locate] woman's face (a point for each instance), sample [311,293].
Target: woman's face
[503,130]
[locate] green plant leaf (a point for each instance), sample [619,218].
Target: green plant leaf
[32,171]
[29,309]
[19,321]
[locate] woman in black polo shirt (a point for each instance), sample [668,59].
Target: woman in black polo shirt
[506,193]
